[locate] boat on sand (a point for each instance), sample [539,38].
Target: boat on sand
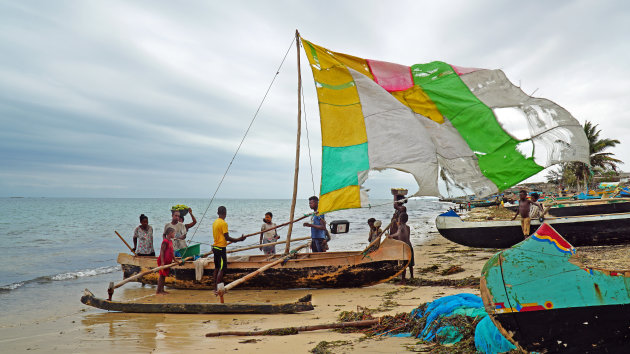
[544,299]
[307,270]
[584,230]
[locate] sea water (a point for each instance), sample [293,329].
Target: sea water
[55,247]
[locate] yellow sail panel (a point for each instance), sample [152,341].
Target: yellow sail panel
[345,198]
[416,99]
[342,125]
[355,63]
[331,59]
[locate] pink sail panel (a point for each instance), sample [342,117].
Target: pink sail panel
[460,70]
[392,77]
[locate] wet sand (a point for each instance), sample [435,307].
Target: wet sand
[88,330]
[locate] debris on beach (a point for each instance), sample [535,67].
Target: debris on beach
[455,323]
[452,270]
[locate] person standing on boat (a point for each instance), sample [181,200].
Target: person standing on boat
[318,227]
[268,236]
[143,238]
[180,231]
[188,226]
[221,238]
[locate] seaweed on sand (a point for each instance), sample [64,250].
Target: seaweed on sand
[324,346]
[468,282]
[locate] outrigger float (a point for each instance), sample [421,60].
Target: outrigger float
[303,304]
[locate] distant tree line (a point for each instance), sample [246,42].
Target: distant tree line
[602,164]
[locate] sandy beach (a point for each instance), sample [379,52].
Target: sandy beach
[85,329]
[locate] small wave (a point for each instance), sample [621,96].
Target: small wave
[85,273]
[11,286]
[61,276]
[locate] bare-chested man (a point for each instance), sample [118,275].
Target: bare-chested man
[399,209]
[403,234]
[524,206]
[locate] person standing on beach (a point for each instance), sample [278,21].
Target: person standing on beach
[221,238]
[524,205]
[167,255]
[375,231]
[399,209]
[180,230]
[143,238]
[268,236]
[536,210]
[404,234]
[318,227]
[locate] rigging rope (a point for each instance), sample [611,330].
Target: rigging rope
[241,143]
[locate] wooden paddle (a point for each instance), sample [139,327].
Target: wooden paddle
[259,232]
[268,244]
[277,226]
[123,240]
[110,290]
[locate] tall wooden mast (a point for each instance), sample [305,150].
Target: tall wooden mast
[297,147]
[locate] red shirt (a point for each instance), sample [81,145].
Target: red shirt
[169,256]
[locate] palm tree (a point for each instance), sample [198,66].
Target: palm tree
[599,158]
[600,161]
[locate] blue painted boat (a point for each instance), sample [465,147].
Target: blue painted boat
[543,299]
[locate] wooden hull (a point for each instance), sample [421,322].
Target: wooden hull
[587,209]
[543,299]
[591,230]
[299,306]
[309,270]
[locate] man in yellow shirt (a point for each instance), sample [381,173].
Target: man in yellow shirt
[221,238]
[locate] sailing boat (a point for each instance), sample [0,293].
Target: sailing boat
[431,120]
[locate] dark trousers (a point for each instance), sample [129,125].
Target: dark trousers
[317,245]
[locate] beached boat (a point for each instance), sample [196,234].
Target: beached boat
[543,299]
[602,206]
[587,207]
[307,270]
[423,120]
[586,230]
[303,304]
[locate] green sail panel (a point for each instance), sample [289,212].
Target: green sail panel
[341,166]
[499,160]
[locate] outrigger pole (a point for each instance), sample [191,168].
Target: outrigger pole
[297,148]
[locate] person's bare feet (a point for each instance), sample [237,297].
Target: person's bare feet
[161,293]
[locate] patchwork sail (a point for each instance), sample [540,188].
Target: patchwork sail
[470,127]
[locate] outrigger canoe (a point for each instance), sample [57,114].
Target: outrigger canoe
[303,304]
[543,299]
[307,270]
[586,230]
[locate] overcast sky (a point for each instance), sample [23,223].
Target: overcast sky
[151,98]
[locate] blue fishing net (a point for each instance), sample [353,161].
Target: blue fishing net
[488,339]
